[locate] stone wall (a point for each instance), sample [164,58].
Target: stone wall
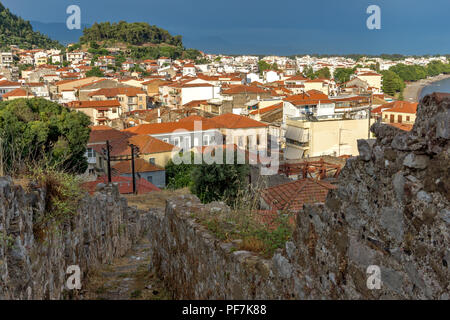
[391,209]
[31,268]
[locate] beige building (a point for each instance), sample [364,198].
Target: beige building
[335,137]
[100,112]
[372,78]
[130,98]
[400,112]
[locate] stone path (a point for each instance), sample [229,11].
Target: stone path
[127,278]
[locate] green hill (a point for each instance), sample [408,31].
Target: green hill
[16,31]
[137,33]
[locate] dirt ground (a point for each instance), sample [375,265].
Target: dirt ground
[155,199]
[127,278]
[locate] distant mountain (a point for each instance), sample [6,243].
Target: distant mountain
[59,31]
[16,31]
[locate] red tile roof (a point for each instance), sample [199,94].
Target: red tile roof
[168,127]
[112,92]
[95,104]
[140,165]
[308,98]
[402,107]
[234,121]
[268,109]
[6,83]
[18,93]
[120,140]
[293,195]
[125,185]
[236,89]
[402,126]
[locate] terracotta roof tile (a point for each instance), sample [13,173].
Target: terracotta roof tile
[234,121]
[293,195]
[140,165]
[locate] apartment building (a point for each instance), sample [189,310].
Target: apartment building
[336,137]
[6,59]
[130,98]
[100,112]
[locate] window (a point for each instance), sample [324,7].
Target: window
[187,142]
[151,160]
[90,153]
[114,110]
[240,141]
[166,140]
[408,118]
[150,179]
[176,141]
[140,98]
[206,140]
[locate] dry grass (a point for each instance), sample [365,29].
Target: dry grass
[156,199]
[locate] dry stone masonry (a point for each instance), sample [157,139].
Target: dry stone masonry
[391,210]
[103,229]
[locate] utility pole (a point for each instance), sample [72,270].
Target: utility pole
[132,167]
[107,152]
[108,156]
[369,112]
[2,173]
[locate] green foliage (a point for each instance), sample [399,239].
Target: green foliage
[392,83]
[192,54]
[62,197]
[245,223]
[36,129]
[74,47]
[409,73]
[179,175]
[141,53]
[95,72]
[342,75]
[308,72]
[262,65]
[375,67]
[16,31]
[211,182]
[136,33]
[323,73]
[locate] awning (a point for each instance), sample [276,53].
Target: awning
[293,153]
[294,133]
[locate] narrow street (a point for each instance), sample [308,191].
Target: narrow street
[127,278]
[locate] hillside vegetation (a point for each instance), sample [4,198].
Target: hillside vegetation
[136,33]
[16,31]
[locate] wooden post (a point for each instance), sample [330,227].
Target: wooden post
[108,156]
[133,169]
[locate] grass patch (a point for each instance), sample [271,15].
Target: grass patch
[63,194]
[260,233]
[136,294]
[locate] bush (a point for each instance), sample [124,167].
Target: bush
[62,195]
[212,182]
[35,129]
[179,175]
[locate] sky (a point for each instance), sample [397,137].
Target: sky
[283,27]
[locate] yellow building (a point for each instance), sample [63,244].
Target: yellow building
[41,61]
[335,137]
[400,112]
[372,78]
